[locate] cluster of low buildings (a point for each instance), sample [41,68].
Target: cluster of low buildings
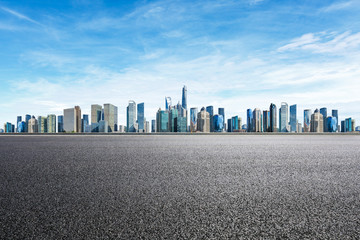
[174,118]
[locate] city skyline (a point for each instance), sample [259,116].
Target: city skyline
[175,118]
[230,54]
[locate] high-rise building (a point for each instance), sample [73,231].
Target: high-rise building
[103,126]
[111,117]
[96,113]
[317,120]
[42,121]
[348,125]
[343,126]
[323,111]
[85,122]
[184,97]
[283,117]
[266,121]
[221,111]
[8,127]
[257,120]
[210,110]
[19,119]
[181,124]
[331,124]
[249,122]
[131,116]
[218,123]
[193,119]
[27,118]
[293,118]
[235,124]
[60,123]
[162,121]
[335,114]
[167,103]
[353,125]
[307,120]
[229,125]
[173,115]
[153,125]
[33,125]
[141,117]
[51,123]
[72,119]
[203,121]
[273,118]
[21,127]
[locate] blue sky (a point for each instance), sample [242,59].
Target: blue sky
[236,54]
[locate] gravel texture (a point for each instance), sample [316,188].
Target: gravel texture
[180,187]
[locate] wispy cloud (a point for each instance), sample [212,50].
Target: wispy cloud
[338,6]
[325,43]
[19,15]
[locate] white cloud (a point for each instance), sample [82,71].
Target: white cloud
[19,15]
[338,6]
[332,43]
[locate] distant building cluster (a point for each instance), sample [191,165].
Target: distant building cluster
[174,118]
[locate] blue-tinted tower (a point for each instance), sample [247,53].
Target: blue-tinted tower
[60,123]
[273,118]
[210,110]
[293,118]
[218,123]
[221,111]
[331,124]
[141,116]
[323,111]
[229,125]
[184,97]
[335,114]
[249,120]
[235,123]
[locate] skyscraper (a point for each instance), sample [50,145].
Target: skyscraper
[335,114]
[84,122]
[51,123]
[60,123]
[249,122]
[229,125]
[173,115]
[348,125]
[27,118]
[317,122]
[293,118]
[331,124]
[111,117]
[283,117]
[193,119]
[203,123]
[323,111]
[257,120]
[184,97]
[235,124]
[221,111]
[162,121]
[42,121]
[307,120]
[273,118]
[141,117]
[167,103]
[96,117]
[210,110]
[33,125]
[266,121]
[72,119]
[131,116]
[153,125]
[218,123]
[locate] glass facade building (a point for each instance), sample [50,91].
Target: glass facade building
[218,123]
[141,117]
[249,122]
[210,110]
[335,114]
[307,120]
[293,118]
[184,97]
[131,116]
[266,121]
[273,118]
[111,117]
[60,123]
[167,103]
[331,124]
[162,121]
[42,121]
[193,119]
[235,124]
[173,115]
[229,125]
[348,125]
[323,111]
[283,117]
[221,111]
